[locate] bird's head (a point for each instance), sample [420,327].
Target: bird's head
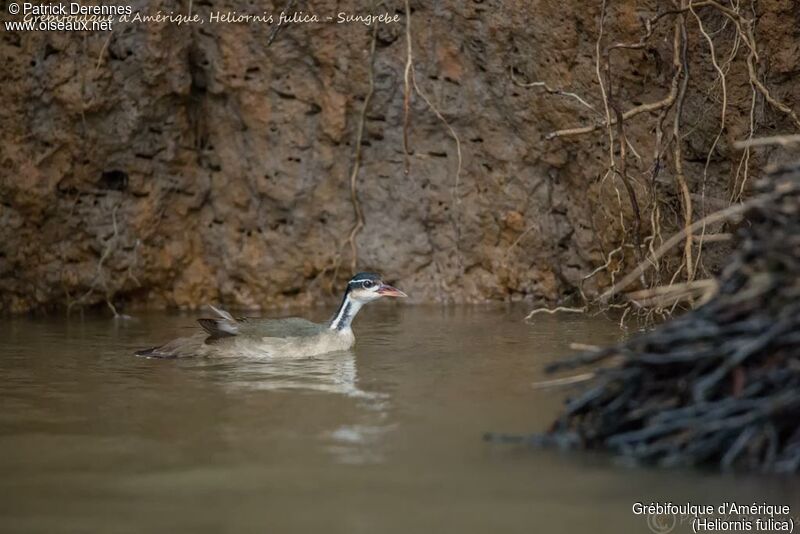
[366,287]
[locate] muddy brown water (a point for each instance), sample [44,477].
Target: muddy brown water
[386,438]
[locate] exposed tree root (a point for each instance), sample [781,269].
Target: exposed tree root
[551,91]
[651,252]
[358,212]
[551,311]
[410,81]
[100,273]
[407,90]
[731,212]
[782,140]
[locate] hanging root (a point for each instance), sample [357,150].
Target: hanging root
[782,140]
[358,212]
[100,279]
[551,311]
[410,81]
[680,177]
[407,91]
[727,214]
[670,131]
[552,91]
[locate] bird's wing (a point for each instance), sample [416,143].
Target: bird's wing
[225,332]
[281,328]
[225,325]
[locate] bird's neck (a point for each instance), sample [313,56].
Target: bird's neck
[345,314]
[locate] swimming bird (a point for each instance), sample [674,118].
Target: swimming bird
[228,336]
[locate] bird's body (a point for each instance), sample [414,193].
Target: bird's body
[292,337]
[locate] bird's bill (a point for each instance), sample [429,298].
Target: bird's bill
[385,290]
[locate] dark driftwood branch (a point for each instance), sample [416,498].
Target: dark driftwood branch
[718,385]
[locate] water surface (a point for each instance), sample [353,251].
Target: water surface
[383,439]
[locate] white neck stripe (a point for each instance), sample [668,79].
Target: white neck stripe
[346,312]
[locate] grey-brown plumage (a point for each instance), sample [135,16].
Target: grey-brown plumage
[293,337]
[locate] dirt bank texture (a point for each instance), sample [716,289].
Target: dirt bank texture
[179,165]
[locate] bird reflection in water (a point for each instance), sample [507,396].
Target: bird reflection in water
[352,438]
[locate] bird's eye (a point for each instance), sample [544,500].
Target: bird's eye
[367,284]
